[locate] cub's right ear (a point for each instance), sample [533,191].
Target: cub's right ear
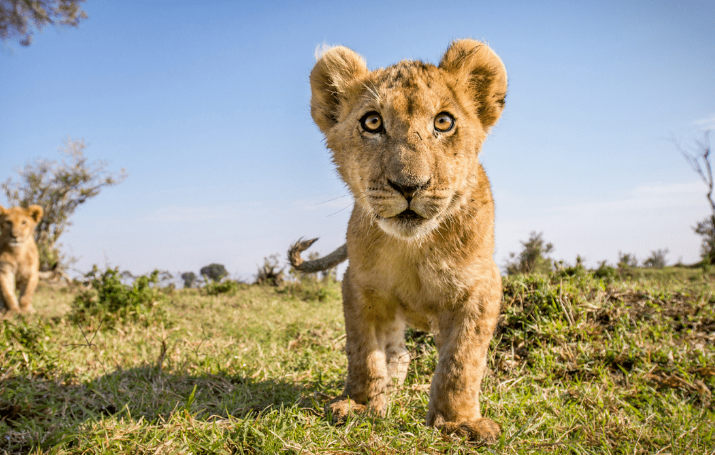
[36,212]
[2,210]
[329,80]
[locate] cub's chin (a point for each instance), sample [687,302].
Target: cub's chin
[407,225]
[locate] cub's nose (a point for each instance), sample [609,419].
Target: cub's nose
[408,188]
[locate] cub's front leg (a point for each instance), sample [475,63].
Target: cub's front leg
[462,339]
[376,352]
[27,290]
[7,290]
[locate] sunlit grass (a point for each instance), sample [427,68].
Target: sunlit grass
[578,365]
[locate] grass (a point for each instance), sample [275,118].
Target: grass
[578,365]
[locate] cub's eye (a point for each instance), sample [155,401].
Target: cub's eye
[443,122]
[24,222]
[372,122]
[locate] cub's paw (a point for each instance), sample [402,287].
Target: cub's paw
[27,310]
[8,314]
[340,407]
[483,431]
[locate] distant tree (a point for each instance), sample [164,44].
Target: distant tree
[214,272]
[189,279]
[706,229]
[627,261]
[532,258]
[656,260]
[699,158]
[59,187]
[18,16]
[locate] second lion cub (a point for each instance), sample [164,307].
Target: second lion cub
[406,140]
[19,259]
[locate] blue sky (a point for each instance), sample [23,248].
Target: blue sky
[206,105]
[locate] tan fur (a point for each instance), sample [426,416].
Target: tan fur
[421,236]
[19,259]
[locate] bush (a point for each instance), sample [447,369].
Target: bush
[627,261]
[577,269]
[532,258]
[109,300]
[605,271]
[656,259]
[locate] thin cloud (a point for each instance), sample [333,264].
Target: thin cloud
[706,123]
[657,196]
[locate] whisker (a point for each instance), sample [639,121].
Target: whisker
[329,200]
[335,213]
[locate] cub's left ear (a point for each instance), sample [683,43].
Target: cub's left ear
[35,212]
[475,63]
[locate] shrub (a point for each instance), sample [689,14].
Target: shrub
[532,258]
[656,259]
[627,261]
[577,269]
[110,300]
[605,271]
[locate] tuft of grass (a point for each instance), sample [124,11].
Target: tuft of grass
[582,363]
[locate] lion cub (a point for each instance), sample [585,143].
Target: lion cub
[19,259]
[406,140]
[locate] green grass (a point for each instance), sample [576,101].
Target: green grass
[578,365]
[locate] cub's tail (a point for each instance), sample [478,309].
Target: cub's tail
[318,265]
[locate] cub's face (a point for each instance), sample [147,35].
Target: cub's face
[17,224]
[406,139]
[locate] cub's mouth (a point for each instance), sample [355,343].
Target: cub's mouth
[407,224]
[409,215]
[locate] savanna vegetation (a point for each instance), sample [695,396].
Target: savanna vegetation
[613,360]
